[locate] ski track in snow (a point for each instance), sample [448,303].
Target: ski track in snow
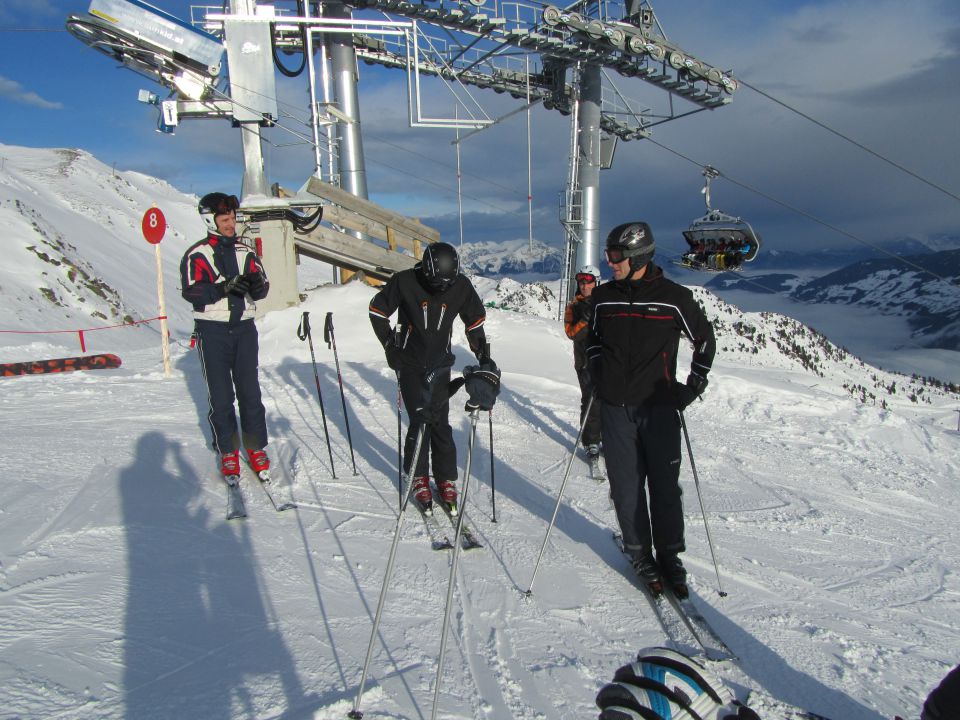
[125,593]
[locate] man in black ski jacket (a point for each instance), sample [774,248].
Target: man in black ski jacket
[427,299]
[638,320]
[222,277]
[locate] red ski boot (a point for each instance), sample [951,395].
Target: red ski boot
[422,494]
[448,493]
[230,466]
[260,463]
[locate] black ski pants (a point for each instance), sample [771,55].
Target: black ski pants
[642,448]
[229,357]
[438,443]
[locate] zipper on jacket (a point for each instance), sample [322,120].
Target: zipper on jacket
[666,367]
[443,309]
[424,305]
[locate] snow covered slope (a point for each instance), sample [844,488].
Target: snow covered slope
[831,489]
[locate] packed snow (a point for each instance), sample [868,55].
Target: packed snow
[831,501]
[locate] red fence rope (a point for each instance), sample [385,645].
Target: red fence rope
[81,331]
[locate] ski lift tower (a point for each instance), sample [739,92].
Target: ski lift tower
[565,58]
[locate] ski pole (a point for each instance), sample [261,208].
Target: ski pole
[454,561]
[303,332]
[330,339]
[399,451]
[556,508]
[696,482]
[493,481]
[355,714]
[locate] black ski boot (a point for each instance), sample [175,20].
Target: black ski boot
[648,572]
[675,575]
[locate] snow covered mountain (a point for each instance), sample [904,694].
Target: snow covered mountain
[831,490]
[512,258]
[890,287]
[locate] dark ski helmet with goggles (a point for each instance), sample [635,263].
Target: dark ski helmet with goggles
[216,203]
[440,265]
[632,240]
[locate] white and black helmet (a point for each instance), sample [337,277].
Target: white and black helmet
[216,203]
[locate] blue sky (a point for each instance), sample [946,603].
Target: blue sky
[884,73]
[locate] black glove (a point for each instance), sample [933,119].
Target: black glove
[583,311]
[483,385]
[236,285]
[694,388]
[393,356]
[256,280]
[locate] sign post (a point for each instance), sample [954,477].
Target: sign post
[154,226]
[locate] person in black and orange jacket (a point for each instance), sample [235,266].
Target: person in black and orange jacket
[222,277]
[576,321]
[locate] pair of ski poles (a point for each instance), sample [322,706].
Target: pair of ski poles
[563,484]
[304,333]
[355,713]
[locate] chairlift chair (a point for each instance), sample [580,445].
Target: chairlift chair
[718,242]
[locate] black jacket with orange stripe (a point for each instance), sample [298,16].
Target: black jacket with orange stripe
[635,337]
[425,317]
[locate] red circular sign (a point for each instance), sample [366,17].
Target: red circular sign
[154,225]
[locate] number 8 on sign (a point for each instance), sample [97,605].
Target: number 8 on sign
[154,225]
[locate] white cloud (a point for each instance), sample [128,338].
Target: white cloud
[14,91]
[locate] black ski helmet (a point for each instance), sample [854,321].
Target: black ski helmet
[440,265]
[635,241]
[216,203]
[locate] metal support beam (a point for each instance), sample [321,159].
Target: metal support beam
[588,167]
[343,61]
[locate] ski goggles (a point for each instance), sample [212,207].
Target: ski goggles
[615,254]
[586,278]
[227,205]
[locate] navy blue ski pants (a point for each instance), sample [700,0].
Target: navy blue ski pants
[642,448]
[229,357]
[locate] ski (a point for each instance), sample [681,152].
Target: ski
[266,482]
[670,620]
[235,506]
[468,540]
[713,645]
[438,539]
[105,361]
